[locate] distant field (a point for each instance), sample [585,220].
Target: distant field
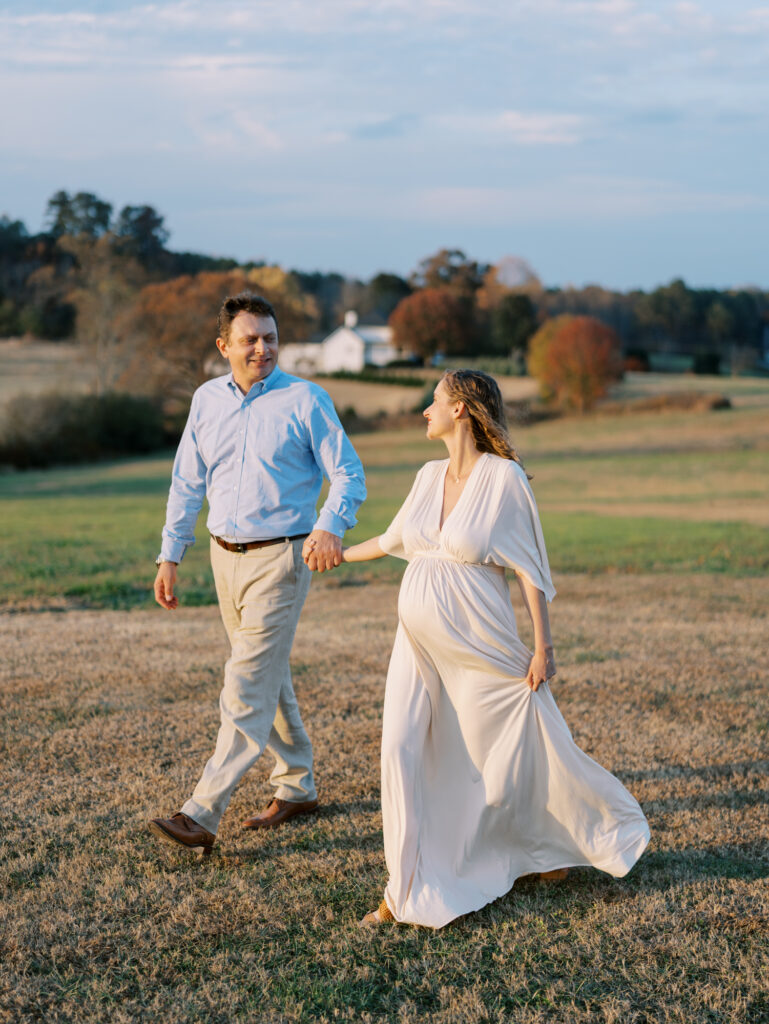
[636,493]
[31,368]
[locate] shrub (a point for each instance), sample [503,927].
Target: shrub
[9,318]
[636,361]
[708,363]
[370,375]
[51,320]
[498,366]
[574,359]
[43,430]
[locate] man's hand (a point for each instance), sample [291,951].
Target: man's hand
[165,581]
[322,550]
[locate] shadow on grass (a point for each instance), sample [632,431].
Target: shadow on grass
[313,834]
[732,798]
[705,771]
[659,869]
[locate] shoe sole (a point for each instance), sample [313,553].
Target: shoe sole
[160,832]
[283,821]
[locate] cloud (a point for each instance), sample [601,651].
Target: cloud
[392,127]
[573,197]
[516,126]
[655,115]
[237,132]
[570,199]
[540,129]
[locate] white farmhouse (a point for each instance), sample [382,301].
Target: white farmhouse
[350,347]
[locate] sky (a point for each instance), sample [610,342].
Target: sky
[604,141]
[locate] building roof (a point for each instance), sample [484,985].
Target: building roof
[373,334]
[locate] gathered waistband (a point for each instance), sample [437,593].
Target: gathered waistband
[444,556]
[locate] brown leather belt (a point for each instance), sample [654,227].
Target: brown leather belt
[240,549]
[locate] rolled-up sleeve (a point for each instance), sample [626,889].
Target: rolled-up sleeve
[339,463]
[185,498]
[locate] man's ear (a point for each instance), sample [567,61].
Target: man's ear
[222,345]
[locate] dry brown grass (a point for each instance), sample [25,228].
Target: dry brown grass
[368,399]
[108,718]
[34,367]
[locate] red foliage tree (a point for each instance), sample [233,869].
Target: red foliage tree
[433,320]
[574,359]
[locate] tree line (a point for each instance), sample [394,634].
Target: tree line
[146,314]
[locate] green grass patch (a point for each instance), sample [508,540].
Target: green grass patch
[89,535]
[580,542]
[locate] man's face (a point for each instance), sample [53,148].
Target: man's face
[252,349]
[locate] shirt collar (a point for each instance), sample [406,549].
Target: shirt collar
[260,388]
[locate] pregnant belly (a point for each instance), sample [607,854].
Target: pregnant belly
[460,613]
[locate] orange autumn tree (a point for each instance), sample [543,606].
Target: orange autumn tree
[574,359]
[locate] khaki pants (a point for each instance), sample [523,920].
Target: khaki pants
[261,594]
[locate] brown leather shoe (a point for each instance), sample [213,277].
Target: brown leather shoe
[553,876]
[182,830]
[280,811]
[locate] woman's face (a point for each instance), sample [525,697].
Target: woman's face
[441,415]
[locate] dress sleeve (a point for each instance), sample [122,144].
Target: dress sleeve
[391,540]
[517,541]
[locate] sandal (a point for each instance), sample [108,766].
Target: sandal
[381,915]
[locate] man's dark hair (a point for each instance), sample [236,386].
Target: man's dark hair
[243,302]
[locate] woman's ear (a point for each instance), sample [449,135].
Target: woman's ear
[459,412]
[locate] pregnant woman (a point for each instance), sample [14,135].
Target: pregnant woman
[481,780]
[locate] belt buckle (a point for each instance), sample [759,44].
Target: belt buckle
[241,549]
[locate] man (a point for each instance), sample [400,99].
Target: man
[256,444]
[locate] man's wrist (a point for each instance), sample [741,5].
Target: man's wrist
[330,523]
[160,560]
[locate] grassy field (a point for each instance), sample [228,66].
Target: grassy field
[657,531]
[34,367]
[108,718]
[637,493]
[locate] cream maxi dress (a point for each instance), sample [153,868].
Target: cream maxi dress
[481,780]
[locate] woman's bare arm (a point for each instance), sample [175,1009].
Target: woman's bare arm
[363,552]
[542,666]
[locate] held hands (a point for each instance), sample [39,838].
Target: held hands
[165,581]
[322,551]
[541,668]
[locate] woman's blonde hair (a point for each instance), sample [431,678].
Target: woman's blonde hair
[485,408]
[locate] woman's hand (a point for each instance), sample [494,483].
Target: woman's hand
[541,668]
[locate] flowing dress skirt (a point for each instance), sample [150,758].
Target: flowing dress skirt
[481,780]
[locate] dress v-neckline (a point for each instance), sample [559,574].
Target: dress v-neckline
[442,492]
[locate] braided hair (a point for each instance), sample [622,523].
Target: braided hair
[485,409]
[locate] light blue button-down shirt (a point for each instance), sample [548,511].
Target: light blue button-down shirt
[260,459]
